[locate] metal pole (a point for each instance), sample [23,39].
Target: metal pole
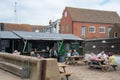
[25,43]
[12,45]
[15,11]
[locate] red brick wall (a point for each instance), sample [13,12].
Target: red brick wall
[77,30]
[75,27]
[65,21]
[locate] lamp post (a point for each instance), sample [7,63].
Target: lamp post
[103,41]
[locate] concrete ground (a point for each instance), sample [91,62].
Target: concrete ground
[82,72]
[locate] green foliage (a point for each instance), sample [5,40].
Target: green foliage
[62,50]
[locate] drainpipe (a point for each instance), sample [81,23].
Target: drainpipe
[72,27]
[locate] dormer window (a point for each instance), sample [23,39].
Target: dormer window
[65,14]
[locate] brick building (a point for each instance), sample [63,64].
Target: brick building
[88,23]
[115,31]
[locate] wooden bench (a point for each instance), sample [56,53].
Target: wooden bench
[114,66]
[66,74]
[82,61]
[23,72]
[107,67]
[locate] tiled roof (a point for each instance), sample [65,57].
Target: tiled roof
[95,16]
[117,24]
[37,27]
[22,27]
[17,27]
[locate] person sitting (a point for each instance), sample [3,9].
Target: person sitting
[92,56]
[67,61]
[111,58]
[38,56]
[110,61]
[75,53]
[32,53]
[102,55]
[16,52]
[69,53]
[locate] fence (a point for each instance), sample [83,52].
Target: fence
[107,45]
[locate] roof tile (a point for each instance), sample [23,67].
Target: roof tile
[95,16]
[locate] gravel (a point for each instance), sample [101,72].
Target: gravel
[83,72]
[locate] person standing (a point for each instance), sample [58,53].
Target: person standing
[53,53]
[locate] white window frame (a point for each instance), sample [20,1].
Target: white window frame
[91,31]
[65,14]
[102,28]
[83,34]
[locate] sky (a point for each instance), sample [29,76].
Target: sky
[39,12]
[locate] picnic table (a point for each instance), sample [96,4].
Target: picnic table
[64,73]
[63,66]
[99,63]
[96,63]
[74,59]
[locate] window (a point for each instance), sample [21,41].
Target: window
[68,28]
[102,29]
[63,28]
[92,29]
[1,26]
[109,29]
[83,31]
[115,35]
[65,14]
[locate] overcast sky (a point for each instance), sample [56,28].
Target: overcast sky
[39,12]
